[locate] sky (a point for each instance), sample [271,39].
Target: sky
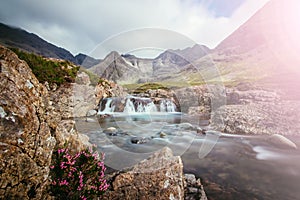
[82,26]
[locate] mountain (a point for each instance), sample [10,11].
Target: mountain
[167,66]
[263,50]
[86,61]
[121,69]
[193,53]
[19,38]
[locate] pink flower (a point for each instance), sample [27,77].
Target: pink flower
[80,181]
[63,182]
[59,151]
[83,198]
[62,165]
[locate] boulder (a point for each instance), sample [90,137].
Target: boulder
[106,89]
[83,79]
[66,134]
[140,140]
[91,113]
[158,177]
[258,118]
[26,142]
[31,126]
[73,100]
[194,189]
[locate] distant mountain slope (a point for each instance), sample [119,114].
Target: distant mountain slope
[165,67]
[265,49]
[274,26]
[18,38]
[86,61]
[15,37]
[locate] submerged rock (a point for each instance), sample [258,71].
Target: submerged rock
[111,131]
[162,134]
[158,177]
[140,140]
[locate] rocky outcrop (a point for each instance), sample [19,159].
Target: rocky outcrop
[26,137]
[158,177]
[259,118]
[201,100]
[83,78]
[77,100]
[244,109]
[236,96]
[107,89]
[159,95]
[73,100]
[31,125]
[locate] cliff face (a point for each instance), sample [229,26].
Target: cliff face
[26,135]
[30,128]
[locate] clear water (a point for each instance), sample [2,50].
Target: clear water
[237,167]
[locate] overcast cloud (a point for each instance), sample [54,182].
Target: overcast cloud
[79,26]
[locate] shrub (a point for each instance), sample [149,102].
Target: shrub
[52,71]
[79,176]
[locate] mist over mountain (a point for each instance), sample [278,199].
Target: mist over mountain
[19,38]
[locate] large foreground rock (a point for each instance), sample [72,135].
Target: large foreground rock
[158,177]
[30,128]
[26,142]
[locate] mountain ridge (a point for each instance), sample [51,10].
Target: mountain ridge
[15,37]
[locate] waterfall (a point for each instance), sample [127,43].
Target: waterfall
[167,106]
[139,105]
[129,106]
[133,104]
[150,107]
[108,108]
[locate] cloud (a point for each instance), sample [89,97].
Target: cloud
[80,26]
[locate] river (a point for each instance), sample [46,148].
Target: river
[230,166]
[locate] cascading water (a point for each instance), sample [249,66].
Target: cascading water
[139,105]
[133,104]
[129,107]
[167,105]
[108,107]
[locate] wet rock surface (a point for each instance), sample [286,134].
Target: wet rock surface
[194,189]
[140,140]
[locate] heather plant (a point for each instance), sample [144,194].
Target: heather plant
[79,176]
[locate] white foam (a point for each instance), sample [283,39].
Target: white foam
[265,154]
